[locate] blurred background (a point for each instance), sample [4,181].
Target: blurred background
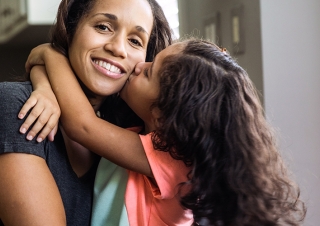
[277,42]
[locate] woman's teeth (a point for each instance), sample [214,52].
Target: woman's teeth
[108,66]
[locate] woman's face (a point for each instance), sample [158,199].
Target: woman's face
[109,42]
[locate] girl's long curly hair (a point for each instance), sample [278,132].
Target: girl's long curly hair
[212,120]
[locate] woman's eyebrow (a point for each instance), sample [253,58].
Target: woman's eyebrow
[115,18]
[142,30]
[110,16]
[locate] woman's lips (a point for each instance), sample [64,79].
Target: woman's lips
[108,69]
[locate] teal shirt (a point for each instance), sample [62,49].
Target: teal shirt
[109,190]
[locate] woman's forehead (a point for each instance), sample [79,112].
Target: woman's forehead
[130,8]
[131,12]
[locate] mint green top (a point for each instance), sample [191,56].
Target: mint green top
[109,190]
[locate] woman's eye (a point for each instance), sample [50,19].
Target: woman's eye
[135,42]
[102,27]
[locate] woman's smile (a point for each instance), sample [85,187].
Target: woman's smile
[109,69]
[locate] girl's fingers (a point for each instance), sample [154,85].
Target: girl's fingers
[53,133]
[36,56]
[30,103]
[43,117]
[39,124]
[32,118]
[49,130]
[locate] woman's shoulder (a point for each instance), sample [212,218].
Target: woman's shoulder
[15,85]
[9,91]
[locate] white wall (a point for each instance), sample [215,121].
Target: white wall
[193,12]
[42,12]
[291,71]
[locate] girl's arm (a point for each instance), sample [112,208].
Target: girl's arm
[45,111]
[121,146]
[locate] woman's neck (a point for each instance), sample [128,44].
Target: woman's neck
[94,99]
[96,102]
[80,158]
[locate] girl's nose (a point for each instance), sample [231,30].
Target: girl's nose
[138,69]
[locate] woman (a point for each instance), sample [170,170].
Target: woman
[50,183]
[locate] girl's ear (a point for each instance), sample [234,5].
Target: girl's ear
[156,114]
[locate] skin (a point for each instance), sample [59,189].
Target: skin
[142,87]
[107,140]
[110,40]
[46,110]
[115,38]
[28,192]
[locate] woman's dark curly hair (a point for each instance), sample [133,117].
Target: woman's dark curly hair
[70,12]
[212,120]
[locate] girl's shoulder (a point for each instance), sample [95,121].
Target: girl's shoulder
[167,171]
[136,129]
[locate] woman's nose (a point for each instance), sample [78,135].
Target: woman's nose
[117,46]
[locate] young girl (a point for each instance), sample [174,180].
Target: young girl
[205,151]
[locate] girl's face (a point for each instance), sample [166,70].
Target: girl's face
[142,87]
[109,42]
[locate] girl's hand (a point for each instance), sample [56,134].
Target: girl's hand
[36,56]
[45,111]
